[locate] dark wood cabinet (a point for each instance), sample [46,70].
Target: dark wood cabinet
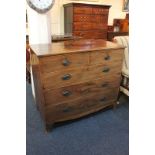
[86,20]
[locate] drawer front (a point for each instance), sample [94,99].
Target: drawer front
[79,107]
[99,26]
[100,11]
[74,76]
[82,26]
[64,94]
[91,34]
[66,61]
[106,57]
[82,18]
[82,10]
[99,18]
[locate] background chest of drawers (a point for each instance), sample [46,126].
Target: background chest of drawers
[75,78]
[86,20]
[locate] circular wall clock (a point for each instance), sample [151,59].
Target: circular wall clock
[41,6]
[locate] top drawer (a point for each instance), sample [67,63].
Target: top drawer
[106,57]
[66,61]
[100,11]
[82,9]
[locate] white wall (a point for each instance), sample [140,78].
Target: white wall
[57,14]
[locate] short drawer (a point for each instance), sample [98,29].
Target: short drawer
[82,18]
[82,10]
[93,34]
[80,107]
[64,94]
[100,11]
[106,57]
[66,61]
[78,26]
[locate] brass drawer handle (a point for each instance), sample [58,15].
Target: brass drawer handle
[103,99]
[66,77]
[105,84]
[66,62]
[107,57]
[66,93]
[67,109]
[106,69]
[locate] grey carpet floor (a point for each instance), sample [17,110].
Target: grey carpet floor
[103,133]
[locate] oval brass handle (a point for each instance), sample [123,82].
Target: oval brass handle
[105,84]
[106,69]
[66,93]
[67,109]
[107,57]
[103,99]
[66,77]
[65,62]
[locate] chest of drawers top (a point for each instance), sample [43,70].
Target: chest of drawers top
[73,46]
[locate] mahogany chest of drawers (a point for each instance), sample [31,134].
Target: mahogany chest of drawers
[86,20]
[75,78]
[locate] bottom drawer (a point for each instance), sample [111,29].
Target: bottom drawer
[79,107]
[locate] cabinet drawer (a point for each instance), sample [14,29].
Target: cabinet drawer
[64,78]
[100,11]
[54,63]
[82,18]
[82,26]
[74,76]
[94,34]
[80,107]
[106,57]
[82,10]
[99,18]
[63,94]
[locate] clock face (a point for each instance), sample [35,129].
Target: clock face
[41,6]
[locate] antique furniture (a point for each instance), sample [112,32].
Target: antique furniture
[75,78]
[120,27]
[112,34]
[86,20]
[124,40]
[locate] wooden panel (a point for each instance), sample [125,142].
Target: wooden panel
[93,34]
[98,10]
[99,19]
[64,61]
[99,26]
[82,10]
[82,18]
[82,26]
[106,57]
[63,94]
[74,76]
[79,107]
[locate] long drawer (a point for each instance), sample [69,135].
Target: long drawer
[79,107]
[64,61]
[64,78]
[68,93]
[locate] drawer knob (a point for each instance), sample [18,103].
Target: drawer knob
[66,93]
[105,84]
[103,99]
[107,57]
[66,77]
[67,109]
[65,62]
[106,69]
